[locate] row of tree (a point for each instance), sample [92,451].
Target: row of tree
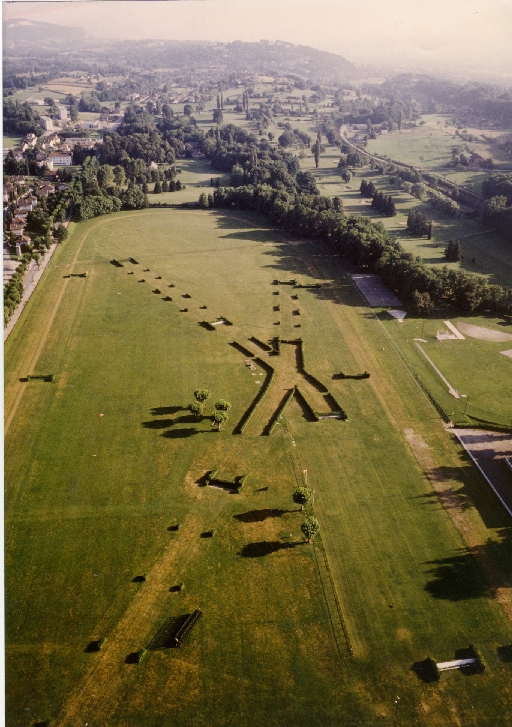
[381,202]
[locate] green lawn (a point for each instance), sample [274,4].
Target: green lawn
[475,368]
[103,460]
[10,141]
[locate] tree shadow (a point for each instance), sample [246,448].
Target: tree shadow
[161,410]
[158,423]
[93,646]
[505,653]
[266,547]
[181,433]
[457,578]
[258,516]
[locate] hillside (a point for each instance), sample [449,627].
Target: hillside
[25,36]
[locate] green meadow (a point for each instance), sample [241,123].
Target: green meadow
[102,464]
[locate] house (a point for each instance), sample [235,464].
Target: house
[17,227]
[35,102]
[60,159]
[62,113]
[31,140]
[46,123]
[24,206]
[18,179]
[22,240]
[73,141]
[45,189]
[383,132]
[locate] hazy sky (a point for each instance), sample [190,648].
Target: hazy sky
[467,34]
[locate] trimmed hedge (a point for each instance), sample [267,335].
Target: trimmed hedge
[306,404]
[280,409]
[242,349]
[479,666]
[41,377]
[335,405]
[364,375]
[260,343]
[240,427]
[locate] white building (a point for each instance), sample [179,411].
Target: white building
[59,159]
[62,113]
[46,123]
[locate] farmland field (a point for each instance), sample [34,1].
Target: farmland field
[102,461]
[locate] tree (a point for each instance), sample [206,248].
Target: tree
[203,201]
[317,146]
[187,110]
[219,417]
[422,304]
[337,204]
[202,395]
[302,496]
[453,251]
[310,527]
[157,188]
[270,136]
[119,175]
[196,408]
[286,139]
[222,405]
[105,176]
[61,234]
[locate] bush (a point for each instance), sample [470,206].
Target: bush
[310,527]
[202,395]
[222,405]
[196,408]
[479,666]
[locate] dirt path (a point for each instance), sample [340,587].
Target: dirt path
[95,697]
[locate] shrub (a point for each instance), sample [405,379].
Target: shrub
[310,527]
[479,666]
[196,408]
[222,405]
[202,395]
[219,418]
[302,496]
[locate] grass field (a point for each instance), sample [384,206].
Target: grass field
[100,463]
[10,141]
[475,368]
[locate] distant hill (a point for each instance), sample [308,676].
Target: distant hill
[264,58]
[29,36]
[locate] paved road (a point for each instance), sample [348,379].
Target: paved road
[10,265]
